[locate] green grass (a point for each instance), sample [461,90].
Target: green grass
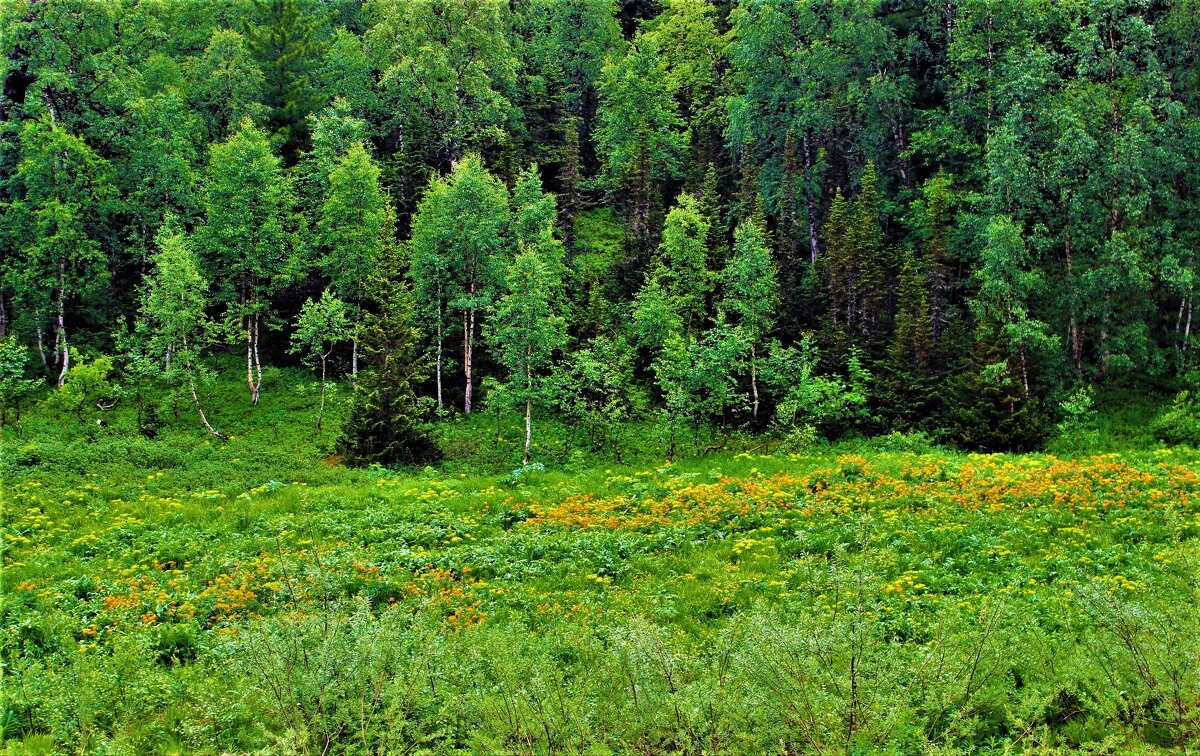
[181,595]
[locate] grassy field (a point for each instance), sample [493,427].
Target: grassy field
[184,596]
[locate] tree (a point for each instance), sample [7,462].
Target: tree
[174,325]
[751,294]
[333,131]
[227,84]
[356,224]
[386,424]
[912,333]
[696,60]
[288,51]
[58,220]
[1004,301]
[594,388]
[527,330]
[805,399]
[641,135]
[684,256]
[320,327]
[854,263]
[248,234]
[15,387]
[445,69]
[459,232]
[158,175]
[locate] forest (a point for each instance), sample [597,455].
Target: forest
[958,218]
[599,376]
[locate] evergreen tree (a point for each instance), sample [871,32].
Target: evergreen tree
[386,423]
[641,134]
[285,44]
[855,264]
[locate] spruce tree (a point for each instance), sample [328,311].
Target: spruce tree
[386,424]
[285,43]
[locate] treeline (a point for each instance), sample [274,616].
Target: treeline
[930,215]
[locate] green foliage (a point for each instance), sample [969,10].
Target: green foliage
[87,393]
[988,409]
[459,234]
[283,39]
[15,385]
[1179,423]
[386,424]
[321,326]
[355,224]
[595,390]
[829,404]
[527,330]
[640,133]
[683,267]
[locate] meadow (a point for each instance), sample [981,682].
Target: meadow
[184,595]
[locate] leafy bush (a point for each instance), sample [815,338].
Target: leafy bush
[1180,422]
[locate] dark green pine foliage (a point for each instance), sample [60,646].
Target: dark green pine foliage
[285,43]
[914,385]
[855,269]
[988,410]
[386,424]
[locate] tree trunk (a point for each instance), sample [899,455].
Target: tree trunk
[528,427]
[808,201]
[41,345]
[321,408]
[468,354]
[354,361]
[60,339]
[1076,346]
[187,367]
[754,380]
[200,411]
[257,361]
[439,359]
[250,360]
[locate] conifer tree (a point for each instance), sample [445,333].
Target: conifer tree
[912,333]
[285,44]
[386,423]
[641,134]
